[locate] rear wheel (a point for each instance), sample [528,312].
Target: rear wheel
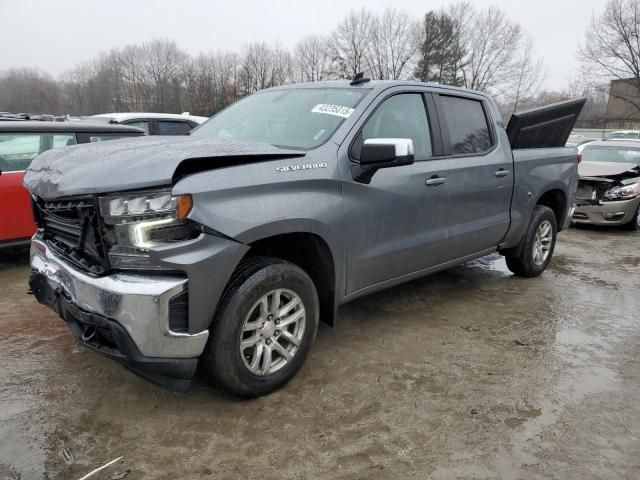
[538,244]
[264,327]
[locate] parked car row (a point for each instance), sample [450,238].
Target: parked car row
[21,140]
[151,123]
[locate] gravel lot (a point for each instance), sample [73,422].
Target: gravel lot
[470,373]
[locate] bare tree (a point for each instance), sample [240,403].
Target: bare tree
[528,74]
[611,50]
[493,40]
[78,87]
[161,65]
[205,78]
[30,91]
[262,67]
[281,67]
[459,45]
[128,65]
[394,39]
[350,43]
[312,59]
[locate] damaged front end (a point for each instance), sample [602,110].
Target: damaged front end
[607,194]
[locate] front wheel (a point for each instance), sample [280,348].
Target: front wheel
[538,244]
[265,325]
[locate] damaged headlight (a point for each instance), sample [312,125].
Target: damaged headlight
[143,220]
[133,207]
[624,192]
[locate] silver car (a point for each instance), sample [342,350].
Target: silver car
[608,188]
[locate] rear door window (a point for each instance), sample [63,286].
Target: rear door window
[172,127]
[18,149]
[467,125]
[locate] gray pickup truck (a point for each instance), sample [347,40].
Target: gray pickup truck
[229,245]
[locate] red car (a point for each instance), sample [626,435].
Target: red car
[20,142]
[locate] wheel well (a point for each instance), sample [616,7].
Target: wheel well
[556,201]
[311,253]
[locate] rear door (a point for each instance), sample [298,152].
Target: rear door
[396,224]
[481,176]
[16,152]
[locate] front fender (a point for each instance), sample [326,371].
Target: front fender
[255,202]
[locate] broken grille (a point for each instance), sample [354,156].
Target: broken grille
[73,229]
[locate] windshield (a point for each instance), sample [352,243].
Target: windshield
[302,118]
[611,154]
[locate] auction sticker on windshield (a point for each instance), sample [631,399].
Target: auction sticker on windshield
[338,110]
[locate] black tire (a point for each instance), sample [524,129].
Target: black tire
[253,279]
[634,224]
[524,265]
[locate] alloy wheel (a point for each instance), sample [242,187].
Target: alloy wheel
[542,242]
[272,332]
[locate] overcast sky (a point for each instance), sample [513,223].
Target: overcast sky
[56,34]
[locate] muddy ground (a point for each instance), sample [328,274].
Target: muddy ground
[470,373]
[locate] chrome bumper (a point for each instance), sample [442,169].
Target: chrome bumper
[139,303]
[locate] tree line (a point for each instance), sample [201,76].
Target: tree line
[460,44]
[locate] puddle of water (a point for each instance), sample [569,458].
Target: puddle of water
[492,263]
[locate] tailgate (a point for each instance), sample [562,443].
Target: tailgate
[544,127]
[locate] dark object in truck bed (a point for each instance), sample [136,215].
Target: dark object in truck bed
[544,127]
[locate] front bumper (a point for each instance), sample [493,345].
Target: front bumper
[606,213]
[123,315]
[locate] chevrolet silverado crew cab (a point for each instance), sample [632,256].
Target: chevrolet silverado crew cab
[229,245]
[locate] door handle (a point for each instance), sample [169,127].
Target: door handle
[435,180]
[502,173]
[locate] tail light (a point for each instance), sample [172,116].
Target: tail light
[579,157]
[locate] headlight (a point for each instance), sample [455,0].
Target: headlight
[134,207]
[622,193]
[143,220]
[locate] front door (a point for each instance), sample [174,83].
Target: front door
[396,224]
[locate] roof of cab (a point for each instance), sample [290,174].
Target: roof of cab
[373,85]
[75,127]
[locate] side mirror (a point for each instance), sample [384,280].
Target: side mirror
[379,153]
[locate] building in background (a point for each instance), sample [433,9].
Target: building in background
[623,107]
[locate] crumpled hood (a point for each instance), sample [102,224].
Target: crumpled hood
[605,169]
[137,162]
